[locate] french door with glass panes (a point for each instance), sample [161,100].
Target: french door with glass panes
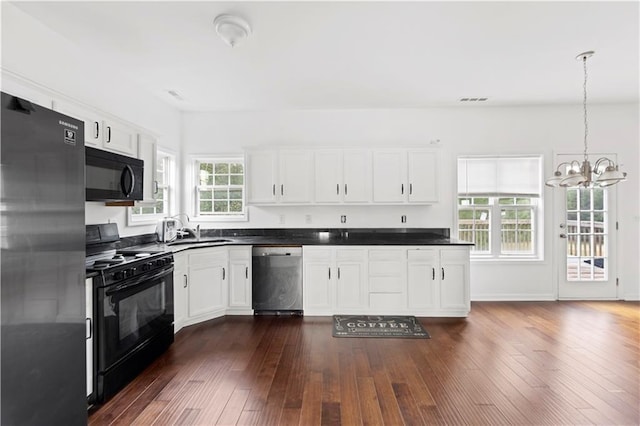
[586,242]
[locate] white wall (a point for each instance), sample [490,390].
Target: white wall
[40,56]
[463,130]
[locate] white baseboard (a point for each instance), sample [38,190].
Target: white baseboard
[501,297]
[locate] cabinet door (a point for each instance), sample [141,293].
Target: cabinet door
[180,289]
[423,278]
[357,176]
[350,291]
[240,277]
[121,138]
[454,279]
[329,187]
[319,274]
[261,177]
[147,152]
[296,172]
[92,124]
[423,176]
[389,176]
[205,289]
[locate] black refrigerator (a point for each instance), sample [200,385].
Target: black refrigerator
[42,280]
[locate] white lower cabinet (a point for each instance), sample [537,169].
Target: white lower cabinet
[239,280]
[211,282]
[438,281]
[334,280]
[386,280]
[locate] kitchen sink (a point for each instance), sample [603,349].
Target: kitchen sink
[200,241]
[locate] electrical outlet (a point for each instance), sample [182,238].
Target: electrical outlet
[282,219]
[343,218]
[307,219]
[403,219]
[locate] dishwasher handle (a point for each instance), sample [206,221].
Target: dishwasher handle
[276,251]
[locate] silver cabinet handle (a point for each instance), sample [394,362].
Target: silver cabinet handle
[402,189]
[97,129]
[274,189]
[156,187]
[563,235]
[433,274]
[442,274]
[281,189]
[345,189]
[186,281]
[108,134]
[337,189]
[246,272]
[224,274]
[329,273]
[410,189]
[338,273]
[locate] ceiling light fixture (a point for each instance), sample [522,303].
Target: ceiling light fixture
[604,172]
[232,29]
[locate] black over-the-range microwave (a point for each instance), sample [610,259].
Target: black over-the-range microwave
[112,177]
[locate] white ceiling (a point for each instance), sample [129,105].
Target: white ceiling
[361,54]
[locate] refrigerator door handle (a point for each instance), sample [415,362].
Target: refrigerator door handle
[89,328]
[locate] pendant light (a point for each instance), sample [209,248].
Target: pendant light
[604,172]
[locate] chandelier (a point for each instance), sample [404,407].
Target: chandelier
[573,173]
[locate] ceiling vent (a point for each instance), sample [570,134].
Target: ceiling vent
[473,99]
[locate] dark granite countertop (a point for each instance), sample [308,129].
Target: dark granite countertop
[307,237]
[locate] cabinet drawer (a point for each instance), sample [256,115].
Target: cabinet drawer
[351,254]
[386,285]
[424,255]
[387,301]
[385,269]
[207,256]
[316,254]
[386,254]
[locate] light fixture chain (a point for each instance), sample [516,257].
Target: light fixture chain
[586,126]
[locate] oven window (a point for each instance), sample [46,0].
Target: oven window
[140,309]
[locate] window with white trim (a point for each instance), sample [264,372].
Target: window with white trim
[499,206]
[164,189]
[220,191]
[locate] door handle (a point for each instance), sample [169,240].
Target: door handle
[563,235]
[90,325]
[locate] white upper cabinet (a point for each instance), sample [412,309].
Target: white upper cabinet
[342,176]
[261,167]
[100,132]
[275,177]
[120,137]
[296,171]
[423,176]
[405,176]
[147,152]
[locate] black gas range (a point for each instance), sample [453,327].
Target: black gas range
[132,309]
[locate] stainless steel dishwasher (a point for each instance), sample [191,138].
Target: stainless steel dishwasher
[277,280]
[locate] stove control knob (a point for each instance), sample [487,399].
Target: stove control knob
[128,273]
[118,275]
[147,266]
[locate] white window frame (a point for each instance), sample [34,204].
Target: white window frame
[169,186]
[496,251]
[229,158]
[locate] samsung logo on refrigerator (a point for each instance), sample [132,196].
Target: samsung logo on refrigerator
[67,124]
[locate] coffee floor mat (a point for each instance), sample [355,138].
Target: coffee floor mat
[378,326]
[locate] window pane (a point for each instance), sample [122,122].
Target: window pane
[135,210]
[220,194]
[585,199]
[148,210]
[505,201]
[222,180]
[235,194]
[236,168]
[220,206]
[236,180]
[572,196]
[483,201]
[598,199]
[236,206]
[523,201]
[222,168]
[464,201]
[206,195]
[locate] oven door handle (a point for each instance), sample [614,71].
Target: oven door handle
[138,281]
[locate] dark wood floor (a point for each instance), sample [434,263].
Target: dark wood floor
[507,363]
